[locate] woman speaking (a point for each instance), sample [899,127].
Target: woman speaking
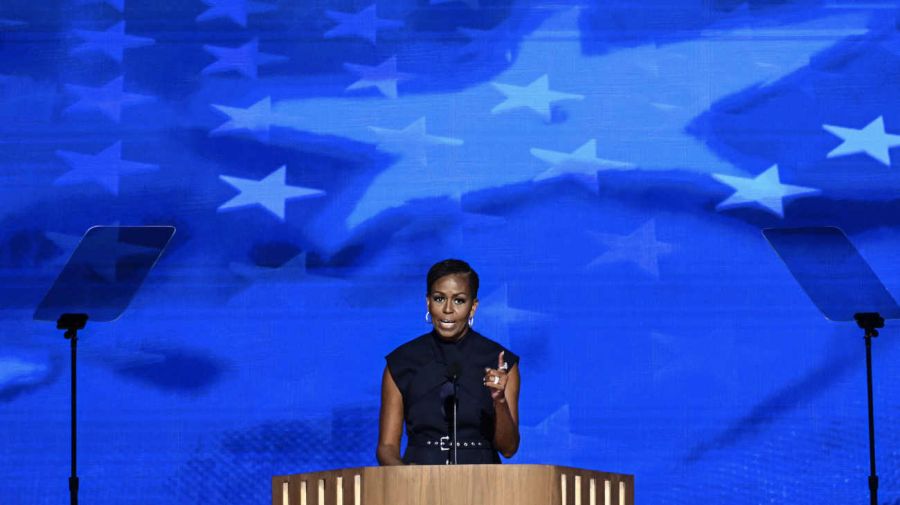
[451,364]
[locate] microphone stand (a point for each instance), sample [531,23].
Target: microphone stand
[454,444]
[453,372]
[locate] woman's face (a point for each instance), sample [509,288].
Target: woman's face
[451,304]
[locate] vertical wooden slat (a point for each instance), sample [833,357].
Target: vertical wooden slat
[593,496]
[607,492]
[585,488]
[357,489]
[278,497]
[339,491]
[285,493]
[629,490]
[303,493]
[614,481]
[577,490]
[562,489]
[347,486]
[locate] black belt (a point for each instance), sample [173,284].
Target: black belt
[444,444]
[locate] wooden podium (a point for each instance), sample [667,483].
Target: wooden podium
[455,485]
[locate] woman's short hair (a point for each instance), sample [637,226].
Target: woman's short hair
[450,267]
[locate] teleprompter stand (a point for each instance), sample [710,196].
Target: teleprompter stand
[870,321]
[98,282]
[72,323]
[843,286]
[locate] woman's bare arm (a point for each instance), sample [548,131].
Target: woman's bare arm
[506,419]
[390,424]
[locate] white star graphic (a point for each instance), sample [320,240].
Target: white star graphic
[272,192]
[108,99]
[235,10]
[764,190]
[105,257]
[413,140]
[65,242]
[113,41]
[872,139]
[363,24]
[537,96]
[553,438]
[257,118]
[497,315]
[639,247]
[383,76]
[583,160]
[103,252]
[245,59]
[106,167]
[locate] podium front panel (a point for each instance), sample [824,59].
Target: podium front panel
[455,485]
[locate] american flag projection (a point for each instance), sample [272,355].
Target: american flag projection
[606,166]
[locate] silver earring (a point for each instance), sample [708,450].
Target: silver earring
[428,317]
[471,320]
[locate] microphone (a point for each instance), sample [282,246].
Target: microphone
[454,370]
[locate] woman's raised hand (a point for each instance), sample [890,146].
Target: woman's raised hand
[496,378]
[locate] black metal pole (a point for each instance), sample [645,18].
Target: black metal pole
[455,438]
[454,442]
[870,322]
[72,335]
[873,476]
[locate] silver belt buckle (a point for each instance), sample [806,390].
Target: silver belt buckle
[445,439]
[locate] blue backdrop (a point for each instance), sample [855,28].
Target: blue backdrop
[606,166]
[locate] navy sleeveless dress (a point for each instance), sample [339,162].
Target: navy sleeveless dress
[420,370]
